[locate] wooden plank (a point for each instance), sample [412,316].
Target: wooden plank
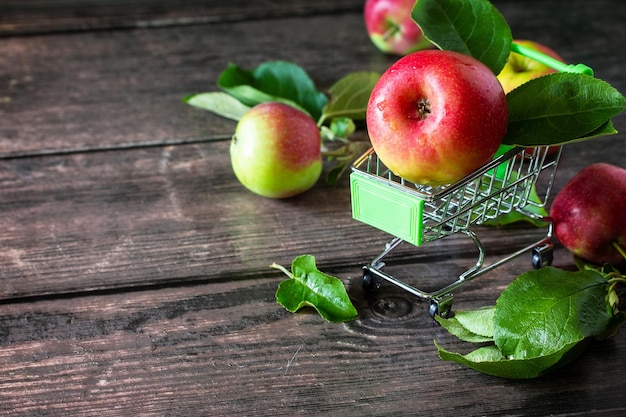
[22,17]
[229,349]
[161,215]
[97,90]
[102,90]
[152,216]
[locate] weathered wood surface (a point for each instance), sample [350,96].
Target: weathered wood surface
[25,17]
[158,215]
[229,349]
[102,90]
[134,274]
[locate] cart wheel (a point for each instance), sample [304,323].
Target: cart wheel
[433,310]
[542,256]
[441,306]
[436,309]
[370,283]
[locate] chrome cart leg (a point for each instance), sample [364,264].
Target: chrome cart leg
[542,255]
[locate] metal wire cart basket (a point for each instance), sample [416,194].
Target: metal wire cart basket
[419,214]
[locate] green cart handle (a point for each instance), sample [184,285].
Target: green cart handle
[551,62]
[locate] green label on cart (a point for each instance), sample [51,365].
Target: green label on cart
[387,208]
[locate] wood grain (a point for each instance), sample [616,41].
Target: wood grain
[120,89]
[134,268]
[94,221]
[26,17]
[229,349]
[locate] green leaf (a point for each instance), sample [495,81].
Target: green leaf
[310,287]
[474,326]
[489,360]
[606,129]
[478,321]
[349,96]
[342,127]
[220,103]
[471,27]
[273,81]
[545,310]
[561,107]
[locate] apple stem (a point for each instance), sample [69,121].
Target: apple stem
[620,249]
[281,268]
[423,108]
[393,29]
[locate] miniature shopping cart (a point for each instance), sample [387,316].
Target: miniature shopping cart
[419,214]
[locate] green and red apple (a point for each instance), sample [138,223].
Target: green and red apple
[391,28]
[589,214]
[520,69]
[276,150]
[435,116]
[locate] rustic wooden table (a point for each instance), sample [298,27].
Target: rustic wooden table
[134,274]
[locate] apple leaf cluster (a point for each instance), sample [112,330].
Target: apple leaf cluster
[543,319]
[554,109]
[273,81]
[286,82]
[308,287]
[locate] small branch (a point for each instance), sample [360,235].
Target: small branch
[293,358]
[393,29]
[620,249]
[281,268]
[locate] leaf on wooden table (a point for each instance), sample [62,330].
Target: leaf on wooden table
[310,287]
[475,327]
[544,310]
[489,360]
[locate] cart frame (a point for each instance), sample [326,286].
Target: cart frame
[419,214]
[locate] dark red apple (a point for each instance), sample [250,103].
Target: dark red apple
[589,214]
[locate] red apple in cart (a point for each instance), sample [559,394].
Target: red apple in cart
[435,116]
[589,214]
[391,28]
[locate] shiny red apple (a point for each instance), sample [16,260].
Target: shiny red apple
[391,28]
[589,214]
[435,116]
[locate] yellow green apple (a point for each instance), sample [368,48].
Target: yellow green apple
[276,150]
[435,116]
[520,69]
